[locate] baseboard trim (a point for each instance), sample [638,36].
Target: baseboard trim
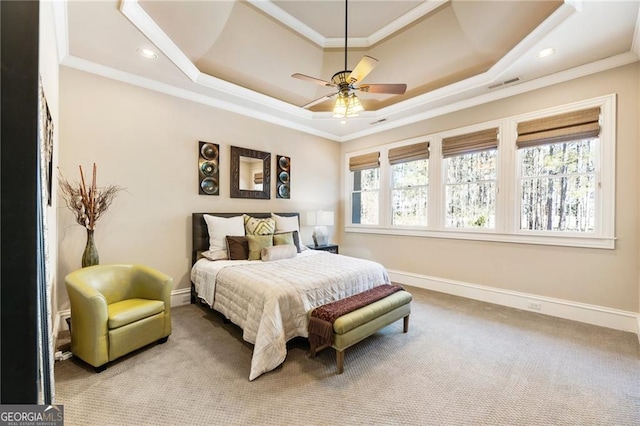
[180,297]
[61,322]
[590,314]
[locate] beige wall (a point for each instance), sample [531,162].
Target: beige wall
[147,142]
[607,278]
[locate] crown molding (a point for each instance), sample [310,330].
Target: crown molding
[146,83]
[333,42]
[61,27]
[560,77]
[147,26]
[237,99]
[635,44]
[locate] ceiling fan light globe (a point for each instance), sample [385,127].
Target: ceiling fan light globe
[354,107]
[341,106]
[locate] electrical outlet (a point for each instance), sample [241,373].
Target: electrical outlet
[534,305]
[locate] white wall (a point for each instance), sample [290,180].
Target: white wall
[147,142]
[49,70]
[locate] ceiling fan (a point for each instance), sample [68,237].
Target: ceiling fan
[347,83]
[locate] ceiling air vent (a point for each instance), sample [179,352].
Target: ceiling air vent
[504,83]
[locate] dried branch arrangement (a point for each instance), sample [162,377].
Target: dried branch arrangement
[87,204]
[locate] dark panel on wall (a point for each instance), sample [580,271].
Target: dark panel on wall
[208,168]
[19,189]
[283,182]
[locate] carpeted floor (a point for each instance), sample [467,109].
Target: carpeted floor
[463,362]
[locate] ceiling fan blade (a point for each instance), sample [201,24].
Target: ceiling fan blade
[319,100]
[364,67]
[394,89]
[312,79]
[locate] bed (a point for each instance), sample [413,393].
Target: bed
[269,300]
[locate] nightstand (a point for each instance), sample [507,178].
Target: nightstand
[331,248]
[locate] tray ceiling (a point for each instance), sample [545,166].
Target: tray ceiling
[240,55]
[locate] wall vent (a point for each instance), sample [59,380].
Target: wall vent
[504,83]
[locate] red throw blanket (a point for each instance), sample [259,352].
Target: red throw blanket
[323,317]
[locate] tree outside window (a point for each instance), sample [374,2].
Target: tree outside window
[558,186]
[409,193]
[470,190]
[365,196]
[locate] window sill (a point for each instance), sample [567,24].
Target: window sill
[548,240]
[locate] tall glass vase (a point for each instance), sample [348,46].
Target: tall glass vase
[90,255]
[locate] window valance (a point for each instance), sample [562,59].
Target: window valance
[470,142]
[403,154]
[573,125]
[364,162]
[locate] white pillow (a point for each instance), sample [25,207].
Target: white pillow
[283,251]
[286,223]
[219,228]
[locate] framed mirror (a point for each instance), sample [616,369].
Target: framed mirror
[250,173]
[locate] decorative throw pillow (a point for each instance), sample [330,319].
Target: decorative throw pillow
[238,248]
[286,223]
[259,226]
[287,238]
[285,251]
[219,228]
[257,243]
[211,255]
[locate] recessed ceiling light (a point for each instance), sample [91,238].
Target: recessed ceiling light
[147,53]
[546,52]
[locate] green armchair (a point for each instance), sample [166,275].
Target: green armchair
[116,309]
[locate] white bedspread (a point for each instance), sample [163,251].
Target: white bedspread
[270,300]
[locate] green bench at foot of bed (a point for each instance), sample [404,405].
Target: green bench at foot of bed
[357,325]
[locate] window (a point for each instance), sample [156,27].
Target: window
[409,184]
[558,187]
[470,183]
[365,193]
[557,162]
[544,177]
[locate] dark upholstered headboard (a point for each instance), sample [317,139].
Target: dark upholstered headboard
[200,233]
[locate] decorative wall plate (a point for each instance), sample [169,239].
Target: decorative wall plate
[209,168]
[283,177]
[283,163]
[209,185]
[209,151]
[283,191]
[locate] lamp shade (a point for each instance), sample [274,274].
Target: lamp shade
[324,218]
[320,220]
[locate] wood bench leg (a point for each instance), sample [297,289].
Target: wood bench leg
[340,361]
[406,324]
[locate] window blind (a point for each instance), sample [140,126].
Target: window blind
[403,154]
[364,162]
[470,143]
[573,125]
